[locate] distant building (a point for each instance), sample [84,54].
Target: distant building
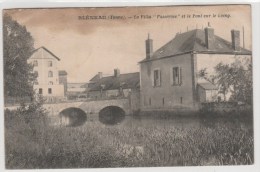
[48,82]
[76,87]
[116,86]
[75,90]
[169,76]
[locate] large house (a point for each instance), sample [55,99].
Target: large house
[50,82]
[169,76]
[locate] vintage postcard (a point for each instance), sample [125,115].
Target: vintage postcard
[164,86]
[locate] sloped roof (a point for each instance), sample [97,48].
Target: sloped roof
[128,80]
[47,51]
[62,72]
[194,40]
[95,78]
[86,85]
[208,86]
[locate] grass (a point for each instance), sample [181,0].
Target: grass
[95,145]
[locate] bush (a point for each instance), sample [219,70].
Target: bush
[23,128]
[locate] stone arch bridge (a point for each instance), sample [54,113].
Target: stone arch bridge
[89,107]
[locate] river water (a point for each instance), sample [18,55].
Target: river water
[151,121]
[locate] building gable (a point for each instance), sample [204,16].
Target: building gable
[43,53]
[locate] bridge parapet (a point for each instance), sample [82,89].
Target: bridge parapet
[89,106]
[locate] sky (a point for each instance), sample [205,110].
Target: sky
[89,46]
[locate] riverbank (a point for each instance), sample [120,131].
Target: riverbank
[146,143]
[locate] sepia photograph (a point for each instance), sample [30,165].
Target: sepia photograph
[114,87]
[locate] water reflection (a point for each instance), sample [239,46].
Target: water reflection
[72,117]
[111,115]
[185,122]
[116,116]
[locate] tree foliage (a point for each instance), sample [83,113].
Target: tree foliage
[18,46]
[234,78]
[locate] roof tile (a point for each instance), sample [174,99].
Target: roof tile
[194,40]
[129,80]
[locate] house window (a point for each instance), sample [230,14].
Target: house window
[50,83]
[40,90]
[50,74]
[49,63]
[156,78]
[176,76]
[49,91]
[163,101]
[181,100]
[35,63]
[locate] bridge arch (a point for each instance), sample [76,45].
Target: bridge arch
[72,116]
[111,115]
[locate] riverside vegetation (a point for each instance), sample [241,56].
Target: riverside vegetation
[32,143]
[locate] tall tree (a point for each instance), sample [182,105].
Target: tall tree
[234,78]
[18,46]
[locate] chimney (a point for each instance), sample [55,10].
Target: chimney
[235,37]
[149,47]
[100,75]
[209,37]
[116,72]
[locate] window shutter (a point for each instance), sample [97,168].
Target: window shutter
[160,78]
[152,79]
[180,75]
[171,76]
